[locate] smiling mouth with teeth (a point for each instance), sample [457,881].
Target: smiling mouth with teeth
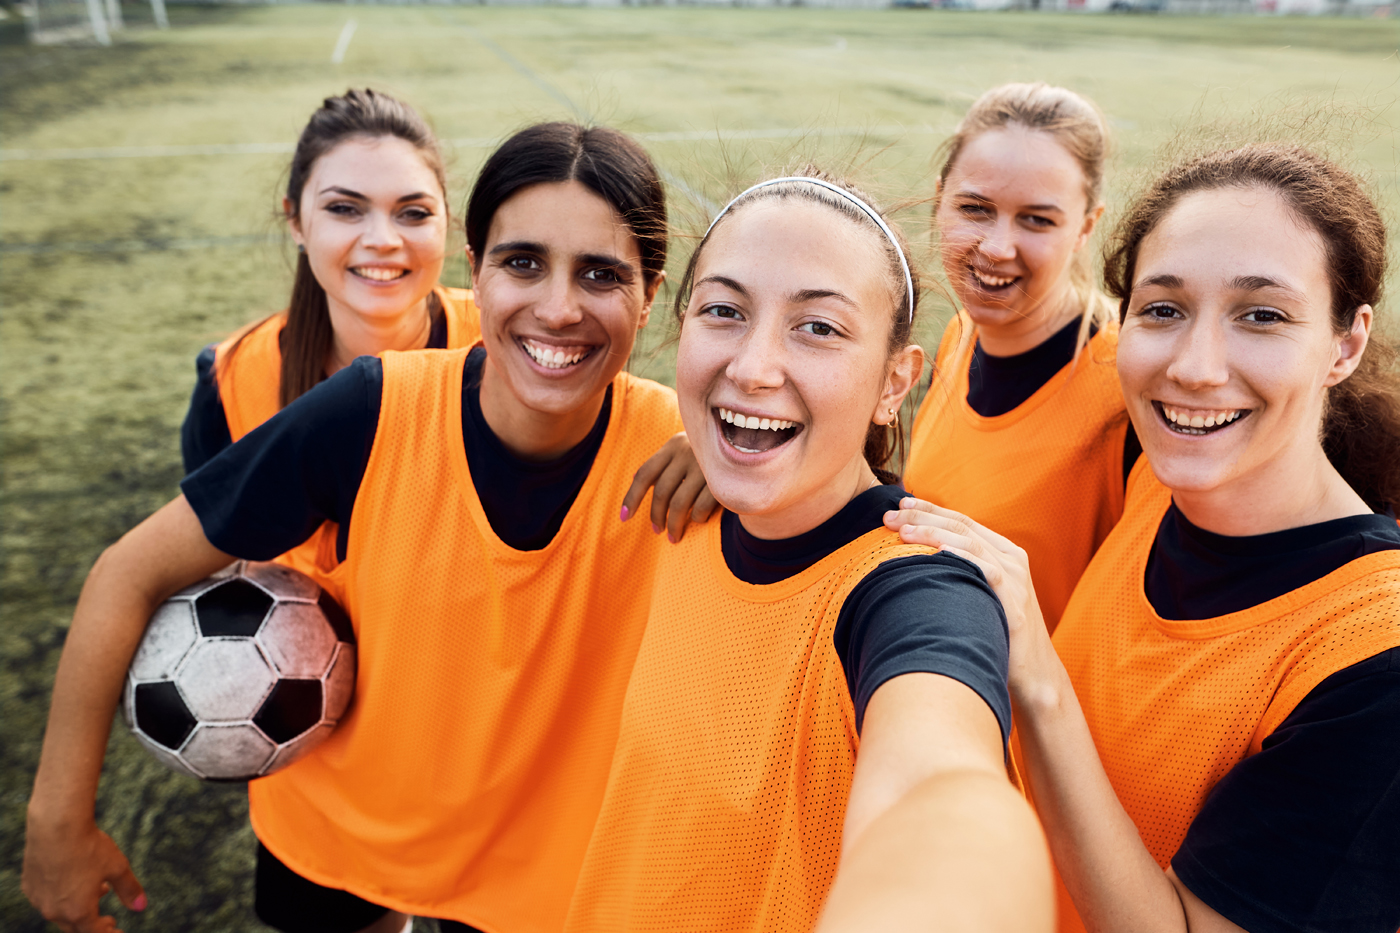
[1196,421]
[753,434]
[377,274]
[992,282]
[553,357]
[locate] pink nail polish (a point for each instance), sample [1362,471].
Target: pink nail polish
[625,512]
[655,528]
[139,903]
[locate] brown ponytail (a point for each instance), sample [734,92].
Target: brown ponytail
[1361,425]
[308,337]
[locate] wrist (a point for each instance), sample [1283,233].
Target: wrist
[46,816]
[1040,685]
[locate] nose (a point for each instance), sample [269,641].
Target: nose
[999,245]
[757,364]
[381,233]
[1202,359]
[558,307]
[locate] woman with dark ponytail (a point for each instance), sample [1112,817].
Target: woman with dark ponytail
[1209,737]
[497,598]
[366,204]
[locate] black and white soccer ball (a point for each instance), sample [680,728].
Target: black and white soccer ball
[241,674]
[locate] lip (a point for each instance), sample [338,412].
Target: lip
[750,458]
[1184,429]
[404,273]
[976,277]
[583,351]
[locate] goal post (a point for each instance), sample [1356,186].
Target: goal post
[53,21]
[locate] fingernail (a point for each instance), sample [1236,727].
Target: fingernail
[670,537]
[625,512]
[139,903]
[655,528]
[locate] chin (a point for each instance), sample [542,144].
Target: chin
[1189,474]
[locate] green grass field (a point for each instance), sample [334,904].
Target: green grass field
[117,266]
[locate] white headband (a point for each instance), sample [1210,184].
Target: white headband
[869,212]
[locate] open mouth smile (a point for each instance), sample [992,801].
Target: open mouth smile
[755,434]
[378,273]
[555,357]
[1197,421]
[992,283]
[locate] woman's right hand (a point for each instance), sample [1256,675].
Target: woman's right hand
[67,869]
[68,862]
[1006,569]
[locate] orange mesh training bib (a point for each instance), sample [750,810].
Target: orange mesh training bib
[1048,474]
[727,797]
[1174,705]
[250,378]
[465,781]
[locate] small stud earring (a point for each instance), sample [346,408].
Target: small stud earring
[301,249]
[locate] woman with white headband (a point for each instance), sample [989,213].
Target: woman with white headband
[814,732]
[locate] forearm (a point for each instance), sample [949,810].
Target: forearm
[1114,881]
[125,586]
[959,851]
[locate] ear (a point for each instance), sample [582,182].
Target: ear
[293,222]
[1091,220]
[649,295]
[1351,347]
[904,371]
[471,265]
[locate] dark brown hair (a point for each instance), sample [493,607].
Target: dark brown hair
[1080,129]
[1361,424]
[884,443]
[611,164]
[308,336]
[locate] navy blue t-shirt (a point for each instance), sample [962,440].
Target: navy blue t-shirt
[927,614]
[205,430]
[1305,834]
[269,492]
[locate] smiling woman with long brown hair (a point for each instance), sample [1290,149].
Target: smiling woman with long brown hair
[1210,736]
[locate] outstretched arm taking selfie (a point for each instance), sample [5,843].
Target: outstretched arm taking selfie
[1114,881]
[936,838]
[68,862]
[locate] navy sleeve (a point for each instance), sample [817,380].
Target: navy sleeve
[1305,834]
[269,492]
[205,431]
[928,614]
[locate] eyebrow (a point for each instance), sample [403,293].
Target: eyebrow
[350,193]
[587,259]
[726,281]
[518,246]
[1161,280]
[1254,283]
[1027,207]
[1243,283]
[816,294]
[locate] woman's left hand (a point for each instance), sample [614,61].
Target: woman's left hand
[680,494]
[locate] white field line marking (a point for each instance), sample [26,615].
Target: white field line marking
[217,149]
[347,33]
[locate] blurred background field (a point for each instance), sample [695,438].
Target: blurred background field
[137,191]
